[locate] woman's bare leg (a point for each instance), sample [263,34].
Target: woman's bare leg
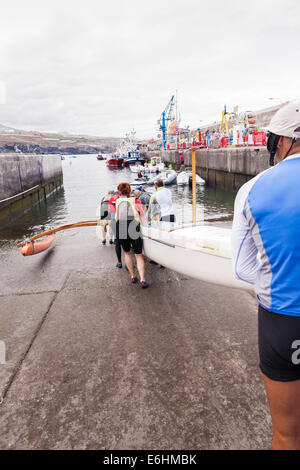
[129,263]
[284,401]
[141,266]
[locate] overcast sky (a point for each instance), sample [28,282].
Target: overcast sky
[104,67]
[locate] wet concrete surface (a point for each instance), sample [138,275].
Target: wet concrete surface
[94,362]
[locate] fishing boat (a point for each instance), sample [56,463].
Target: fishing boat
[100,157]
[133,158]
[200,251]
[168,177]
[115,162]
[129,150]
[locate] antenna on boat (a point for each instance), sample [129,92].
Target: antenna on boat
[176,117]
[194,185]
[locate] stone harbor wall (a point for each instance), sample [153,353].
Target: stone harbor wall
[26,179]
[228,169]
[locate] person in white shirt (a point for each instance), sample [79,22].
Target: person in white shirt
[161,206]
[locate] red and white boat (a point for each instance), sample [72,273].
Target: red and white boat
[115,162]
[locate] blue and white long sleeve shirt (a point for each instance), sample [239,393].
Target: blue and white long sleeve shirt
[266,236]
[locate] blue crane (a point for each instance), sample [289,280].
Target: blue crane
[165,117]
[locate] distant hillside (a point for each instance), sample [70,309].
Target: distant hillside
[14,140]
[6,129]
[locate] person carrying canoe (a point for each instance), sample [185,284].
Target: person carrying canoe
[129,216]
[112,211]
[143,197]
[160,206]
[105,220]
[266,253]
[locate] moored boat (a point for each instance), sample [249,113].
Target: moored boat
[133,158]
[168,177]
[115,162]
[149,167]
[199,181]
[183,178]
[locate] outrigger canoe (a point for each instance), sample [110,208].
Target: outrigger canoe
[202,252]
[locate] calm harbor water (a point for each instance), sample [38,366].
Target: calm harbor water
[86,180]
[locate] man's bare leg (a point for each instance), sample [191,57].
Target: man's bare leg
[285,411]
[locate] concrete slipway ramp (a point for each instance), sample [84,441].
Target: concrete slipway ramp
[95,363]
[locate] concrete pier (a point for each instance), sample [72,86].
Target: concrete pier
[227,168]
[94,362]
[25,180]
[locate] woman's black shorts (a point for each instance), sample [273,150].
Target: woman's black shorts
[130,236]
[168,218]
[279,345]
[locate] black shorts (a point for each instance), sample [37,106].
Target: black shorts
[168,218]
[279,345]
[130,236]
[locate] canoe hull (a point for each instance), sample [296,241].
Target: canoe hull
[197,259]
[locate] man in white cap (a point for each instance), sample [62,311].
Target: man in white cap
[266,253]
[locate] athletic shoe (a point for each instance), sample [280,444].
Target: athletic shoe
[119,265]
[133,280]
[144,284]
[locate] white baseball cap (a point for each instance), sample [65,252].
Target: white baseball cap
[286,121]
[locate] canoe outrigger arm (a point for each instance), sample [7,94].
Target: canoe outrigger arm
[29,246]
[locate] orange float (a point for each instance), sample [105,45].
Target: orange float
[33,248]
[30,247]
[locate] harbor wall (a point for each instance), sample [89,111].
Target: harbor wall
[25,180]
[227,168]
